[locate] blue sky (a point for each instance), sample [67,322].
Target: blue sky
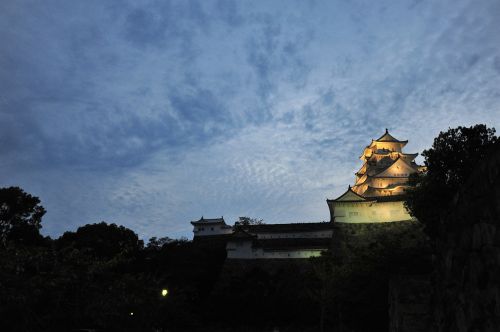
[150,114]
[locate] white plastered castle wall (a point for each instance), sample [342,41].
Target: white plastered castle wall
[244,250]
[301,235]
[211,229]
[362,212]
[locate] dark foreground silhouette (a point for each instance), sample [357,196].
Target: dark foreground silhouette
[103,277]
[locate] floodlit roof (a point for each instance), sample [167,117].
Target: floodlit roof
[348,196]
[386,137]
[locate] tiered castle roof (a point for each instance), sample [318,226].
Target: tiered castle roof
[386,168]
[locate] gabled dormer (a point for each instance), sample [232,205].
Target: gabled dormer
[398,168]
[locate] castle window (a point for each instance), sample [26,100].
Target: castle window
[353,214]
[211,228]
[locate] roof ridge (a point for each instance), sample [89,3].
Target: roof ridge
[349,189]
[209,220]
[392,138]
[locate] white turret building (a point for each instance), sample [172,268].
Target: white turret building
[208,227]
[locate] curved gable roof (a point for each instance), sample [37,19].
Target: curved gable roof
[349,196]
[397,162]
[209,221]
[386,137]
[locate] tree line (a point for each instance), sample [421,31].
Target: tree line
[103,277]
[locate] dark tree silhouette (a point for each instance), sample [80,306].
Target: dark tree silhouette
[449,162]
[102,240]
[158,243]
[20,216]
[245,221]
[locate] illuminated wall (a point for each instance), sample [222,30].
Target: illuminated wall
[361,212]
[301,235]
[244,250]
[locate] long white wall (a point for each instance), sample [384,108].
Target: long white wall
[297,235]
[243,250]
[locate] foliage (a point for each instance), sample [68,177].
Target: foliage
[158,243]
[263,297]
[450,161]
[96,276]
[328,273]
[245,221]
[352,280]
[20,216]
[102,240]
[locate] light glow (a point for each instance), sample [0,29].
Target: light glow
[164,292]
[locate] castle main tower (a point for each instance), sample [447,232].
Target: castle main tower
[386,168]
[379,187]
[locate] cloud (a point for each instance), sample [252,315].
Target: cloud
[228,11]
[275,53]
[154,114]
[165,24]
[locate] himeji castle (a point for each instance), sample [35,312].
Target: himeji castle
[377,196]
[379,187]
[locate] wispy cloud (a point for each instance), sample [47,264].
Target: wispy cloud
[153,114]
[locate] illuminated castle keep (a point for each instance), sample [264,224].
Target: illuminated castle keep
[378,192]
[377,196]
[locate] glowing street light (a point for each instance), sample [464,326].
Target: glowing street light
[164,292]
[131,314]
